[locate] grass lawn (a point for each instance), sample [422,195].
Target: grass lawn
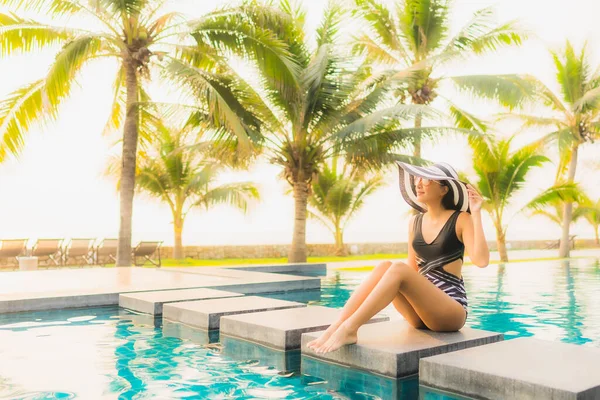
[190,262]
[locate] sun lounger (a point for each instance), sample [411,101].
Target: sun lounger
[106,250]
[80,250]
[12,248]
[146,250]
[49,248]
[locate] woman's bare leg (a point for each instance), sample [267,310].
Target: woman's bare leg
[359,296]
[436,309]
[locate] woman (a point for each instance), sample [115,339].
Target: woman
[428,290]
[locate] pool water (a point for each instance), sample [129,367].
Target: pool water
[106,352]
[551,300]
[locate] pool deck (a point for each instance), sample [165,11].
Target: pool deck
[69,288]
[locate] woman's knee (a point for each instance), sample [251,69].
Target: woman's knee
[381,269]
[383,266]
[400,268]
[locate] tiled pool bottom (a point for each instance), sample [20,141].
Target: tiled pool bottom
[107,353]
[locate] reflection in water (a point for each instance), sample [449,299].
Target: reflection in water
[107,352]
[541,298]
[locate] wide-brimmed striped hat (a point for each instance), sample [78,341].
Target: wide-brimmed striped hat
[437,172]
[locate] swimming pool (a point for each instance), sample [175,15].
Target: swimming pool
[552,300]
[110,353]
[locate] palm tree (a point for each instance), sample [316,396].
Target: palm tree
[336,197]
[331,109]
[413,35]
[185,179]
[574,117]
[590,211]
[142,40]
[502,173]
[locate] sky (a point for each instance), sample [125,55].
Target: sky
[57,187]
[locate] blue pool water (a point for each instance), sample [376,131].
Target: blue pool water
[551,300]
[109,353]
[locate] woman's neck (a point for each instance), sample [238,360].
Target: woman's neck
[435,211]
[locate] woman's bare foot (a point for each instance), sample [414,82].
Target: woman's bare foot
[342,336]
[313,344]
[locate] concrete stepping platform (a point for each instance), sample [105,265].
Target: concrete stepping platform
[152,302]
[394,348]
[238,349]
[521,368]
[303,269]
[206,314]
[184,332]
[281,329]
[353,383]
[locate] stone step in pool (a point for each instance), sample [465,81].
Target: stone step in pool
[206,314]
[394,348]
[310,269]
[152,302]
[521,368]
[281,329]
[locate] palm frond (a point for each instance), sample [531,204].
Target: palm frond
[73,56]
[125,8]
[373,51]
[532,121]
[382,23]
[479,35]
[328,31]
[511,91]
[571,72]
[239,195]
[365,190]
[314,214]
[54,7]
[424,25]
[233,32]
[215,91]
[465,120]
[23,35]
[555,195]
[19,111]
[383,118]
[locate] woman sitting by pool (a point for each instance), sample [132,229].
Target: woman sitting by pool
[428,290]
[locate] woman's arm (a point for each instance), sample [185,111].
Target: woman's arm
[412,261]
[474,238]
[472,230]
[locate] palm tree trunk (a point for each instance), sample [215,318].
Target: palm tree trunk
[298,251]
[501,241]
[565,244]
[130,139]
[178,229]
[418,123]
[596,232]
[340,248]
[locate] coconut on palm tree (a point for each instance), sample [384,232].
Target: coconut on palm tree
[145,42]
[413,35]
[183,179]
[502,173]
[573,116]
[338,193]
[331,108]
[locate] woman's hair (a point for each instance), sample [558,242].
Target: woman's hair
[448,199]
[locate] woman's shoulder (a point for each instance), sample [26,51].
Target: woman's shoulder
[463,217]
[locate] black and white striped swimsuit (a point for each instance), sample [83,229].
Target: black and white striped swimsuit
[431,258]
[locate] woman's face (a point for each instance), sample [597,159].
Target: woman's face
[429,190]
